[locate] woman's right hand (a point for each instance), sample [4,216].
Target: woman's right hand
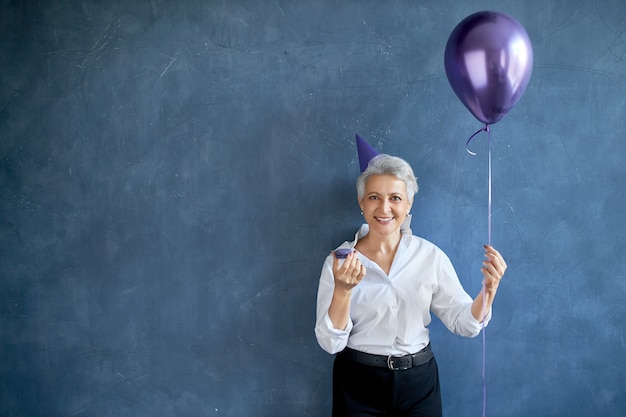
[349,273]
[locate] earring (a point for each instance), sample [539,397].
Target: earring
[361,213]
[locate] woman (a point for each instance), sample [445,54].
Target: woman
[373,308]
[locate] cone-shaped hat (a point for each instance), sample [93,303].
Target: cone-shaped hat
[366,152]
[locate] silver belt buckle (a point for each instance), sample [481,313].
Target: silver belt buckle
[391,367]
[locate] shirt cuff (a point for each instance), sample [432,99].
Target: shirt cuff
[479,324]
[330,339]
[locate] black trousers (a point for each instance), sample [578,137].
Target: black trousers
[367,391]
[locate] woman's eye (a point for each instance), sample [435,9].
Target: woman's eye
[396,198]
[373,197]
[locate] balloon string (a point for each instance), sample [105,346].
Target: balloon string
[482,129]
[487,129]
[489,180]
[484,288]
[484,356]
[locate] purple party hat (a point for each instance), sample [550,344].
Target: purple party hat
[366,152]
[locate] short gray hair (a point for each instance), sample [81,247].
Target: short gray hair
[384,164]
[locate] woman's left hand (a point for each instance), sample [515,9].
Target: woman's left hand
[493,268]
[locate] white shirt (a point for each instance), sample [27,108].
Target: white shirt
[389,314]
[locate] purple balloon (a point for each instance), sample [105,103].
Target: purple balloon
[488,61]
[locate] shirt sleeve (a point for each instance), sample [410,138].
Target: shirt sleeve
[330,339]
[452,304]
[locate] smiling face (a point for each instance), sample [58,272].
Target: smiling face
[385,204]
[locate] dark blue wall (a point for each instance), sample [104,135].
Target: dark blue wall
[173,174]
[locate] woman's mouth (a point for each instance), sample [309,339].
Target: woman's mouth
[383,220]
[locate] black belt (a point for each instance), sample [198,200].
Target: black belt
[395,363]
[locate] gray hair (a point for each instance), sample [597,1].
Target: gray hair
[384,164]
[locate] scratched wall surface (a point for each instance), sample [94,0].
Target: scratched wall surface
[174,173]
